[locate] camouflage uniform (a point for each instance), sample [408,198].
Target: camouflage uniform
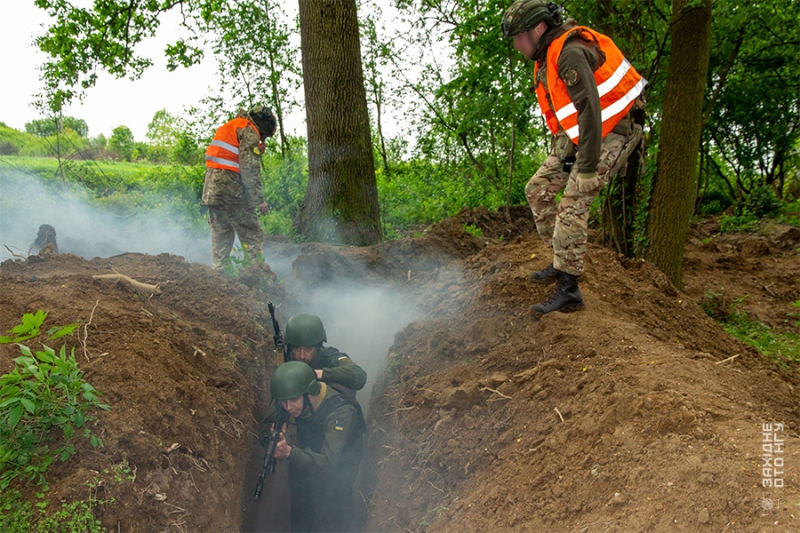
[324,463]
[564,226]
[232,199]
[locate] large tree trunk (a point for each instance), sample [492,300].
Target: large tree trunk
[341,202]
[681,126]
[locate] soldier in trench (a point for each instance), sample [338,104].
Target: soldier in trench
[304,337]
[324,463]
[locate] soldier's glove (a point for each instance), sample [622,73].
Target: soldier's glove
[588,181]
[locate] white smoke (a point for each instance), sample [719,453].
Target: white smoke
[86,229]
[361,321]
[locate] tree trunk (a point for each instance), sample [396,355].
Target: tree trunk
[341,202]
[673,188]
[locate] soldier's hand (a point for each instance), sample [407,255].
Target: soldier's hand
[588,182]
[282,449]
[318,372]
[263,208]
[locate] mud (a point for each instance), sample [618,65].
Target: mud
[624,417]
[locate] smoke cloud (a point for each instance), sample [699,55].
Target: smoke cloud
[85,229]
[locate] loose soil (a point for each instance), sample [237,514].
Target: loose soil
[628,416]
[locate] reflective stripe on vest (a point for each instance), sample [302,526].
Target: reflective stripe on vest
[618,85]
[223,151]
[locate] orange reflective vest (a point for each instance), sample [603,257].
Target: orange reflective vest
[223,152]
[618,84]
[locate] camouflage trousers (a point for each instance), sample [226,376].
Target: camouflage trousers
[228,221]
[564,225]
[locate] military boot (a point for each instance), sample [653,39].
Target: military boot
[566,296]
[545,276]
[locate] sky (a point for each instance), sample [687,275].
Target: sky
[112,102]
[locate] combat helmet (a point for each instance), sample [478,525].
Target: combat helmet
[293,379]
[305,330]
[264,120]
[524,15]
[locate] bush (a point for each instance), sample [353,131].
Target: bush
[44,392]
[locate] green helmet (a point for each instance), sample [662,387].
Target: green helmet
[524,15]
[264,120]
[305,330]
[293,379]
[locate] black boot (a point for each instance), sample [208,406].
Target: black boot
[545,276]
[565,298]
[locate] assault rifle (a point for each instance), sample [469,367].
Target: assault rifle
[269,456]
[277,338]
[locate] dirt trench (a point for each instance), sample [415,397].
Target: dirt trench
[620,418]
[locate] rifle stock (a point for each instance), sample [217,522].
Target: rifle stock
[269,457]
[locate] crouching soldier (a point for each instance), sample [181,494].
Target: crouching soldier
[330,444]
[304,337]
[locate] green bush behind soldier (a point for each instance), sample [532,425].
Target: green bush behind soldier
[330,444]
[304,336]
[586,90]
[232,185]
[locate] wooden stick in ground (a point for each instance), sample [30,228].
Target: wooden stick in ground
[138,285]
[86,330]
[731,358]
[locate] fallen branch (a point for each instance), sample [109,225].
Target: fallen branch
[138,285]
[731,358]
[12,253]
[86,330]
[559,414]
[503,396]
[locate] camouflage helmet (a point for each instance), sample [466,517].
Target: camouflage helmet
[264,120]
[293,379]
[305,330]
[524,15]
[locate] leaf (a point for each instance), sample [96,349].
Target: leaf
[62,331]
[45,357]
[14,416]
[78,419]
[68,430]
[29,405]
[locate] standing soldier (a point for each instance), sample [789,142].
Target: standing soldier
[304,337]
[330,443]
[232,187]
[586,89]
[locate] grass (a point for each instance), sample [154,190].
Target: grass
[780,346]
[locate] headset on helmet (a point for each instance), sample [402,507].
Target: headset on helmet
[264,120]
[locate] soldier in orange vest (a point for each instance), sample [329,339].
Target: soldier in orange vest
[232,186]
[586,90]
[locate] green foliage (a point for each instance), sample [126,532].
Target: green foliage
[21,516]
[44,392]
[777,345]
[473,230]
[122,143]
[259,63]
[746,222]
[122,188]
[761,202]
[47,127]
[238,260]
